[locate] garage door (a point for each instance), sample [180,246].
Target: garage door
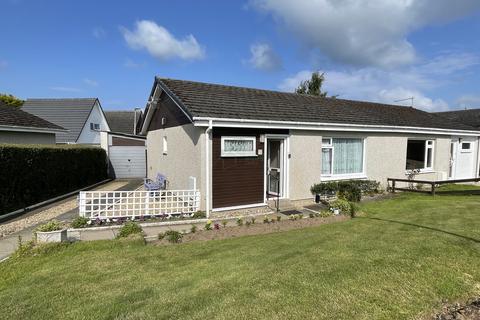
[128,161]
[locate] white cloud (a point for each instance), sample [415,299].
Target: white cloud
[373,85]
[469,101]
[160,43]
[90,82]
[99,32]
[363,32]
[264,58]
[386,86]
[65,89]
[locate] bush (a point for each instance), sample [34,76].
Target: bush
[239,222]
[224,223]
[208,225]
[342,205]
[325,213]
[279,218]
[128,229]
[193,229]
[53,225]
[353,209]
[173,236]
[199,215]
[351,190]
[79,222]
[31,174]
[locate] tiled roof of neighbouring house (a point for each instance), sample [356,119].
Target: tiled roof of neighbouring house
[470,117]
[16,117]
[122,121]
[68,113]
[221,101]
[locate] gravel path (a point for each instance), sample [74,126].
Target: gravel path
[51,212]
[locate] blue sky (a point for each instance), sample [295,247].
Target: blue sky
[369,49]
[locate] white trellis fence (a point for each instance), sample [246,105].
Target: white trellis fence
[131,204]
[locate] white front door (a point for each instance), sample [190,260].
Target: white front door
[275,166]
[464,160]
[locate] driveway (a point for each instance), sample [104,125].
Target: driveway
[65,210]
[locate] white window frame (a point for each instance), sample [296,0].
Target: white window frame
[427,146]
[94,126]
[252,153]
[165,145]
[331,175]
[469,150]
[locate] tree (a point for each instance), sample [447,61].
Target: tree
[313,86]
[10,100]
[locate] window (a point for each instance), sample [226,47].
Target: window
[238,146]
[419,154]
[165,145]
[94,126]
[466,147]
[342,156]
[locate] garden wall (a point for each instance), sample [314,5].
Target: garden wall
[32,174]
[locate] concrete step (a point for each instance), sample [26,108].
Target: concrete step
[284,204]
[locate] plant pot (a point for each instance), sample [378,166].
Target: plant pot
[336,212]
[317,198]
[52,236]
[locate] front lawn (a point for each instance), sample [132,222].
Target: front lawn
[398,262]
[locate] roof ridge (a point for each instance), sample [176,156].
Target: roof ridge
[289,93]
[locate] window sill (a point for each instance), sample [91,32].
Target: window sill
[238,155]
[342,177]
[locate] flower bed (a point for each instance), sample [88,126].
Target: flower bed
[215,230]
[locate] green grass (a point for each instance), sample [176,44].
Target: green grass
[397,262]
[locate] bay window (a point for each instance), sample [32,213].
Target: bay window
[419,154]
[342,156]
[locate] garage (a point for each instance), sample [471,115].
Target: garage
[127,155]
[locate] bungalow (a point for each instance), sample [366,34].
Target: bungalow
[243,146]
[20,127]
[83,118]
[468,116]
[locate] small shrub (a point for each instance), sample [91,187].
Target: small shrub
[24,248]
[216,226]
[199,215]
[173,236]
[79,222]
[279,218]
[208,225]
[239,222]
[311,215]
[419,186]
[248,223]
[53,225]
[342,205]
[325,213]
[128,229]
[266,220]
[253,220]
[272,220]
[161,235]
[224,223]
[193,228]
[353,209]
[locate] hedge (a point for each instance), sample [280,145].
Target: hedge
[352,190]
[30,173]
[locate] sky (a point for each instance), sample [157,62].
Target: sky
[374,50]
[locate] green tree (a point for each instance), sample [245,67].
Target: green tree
[313,86]
[10,100]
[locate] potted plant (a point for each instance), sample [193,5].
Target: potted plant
[52,231]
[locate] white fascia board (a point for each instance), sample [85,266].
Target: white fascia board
[153,103]
[30,129]
[271,124]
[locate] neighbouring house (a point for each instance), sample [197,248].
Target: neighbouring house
[124,121]
[469,116]
[244,146]
[20,127]
[83,118]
